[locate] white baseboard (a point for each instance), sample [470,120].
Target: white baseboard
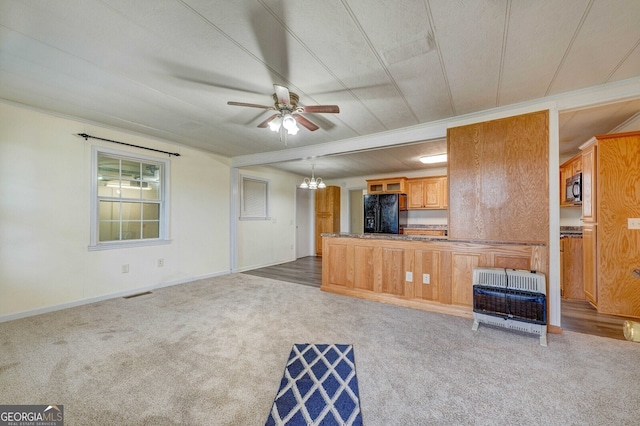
[46,309]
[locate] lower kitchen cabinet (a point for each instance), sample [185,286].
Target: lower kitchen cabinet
[571,268]
[589,262]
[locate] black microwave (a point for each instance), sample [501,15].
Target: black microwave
[574,189]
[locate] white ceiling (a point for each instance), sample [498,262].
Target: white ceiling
[166,68]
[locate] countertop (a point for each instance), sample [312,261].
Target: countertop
[423,238]
[571,232]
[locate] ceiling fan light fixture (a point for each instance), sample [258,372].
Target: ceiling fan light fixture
[434,159]
[274,125]
[289,123]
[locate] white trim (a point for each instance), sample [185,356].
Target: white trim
[597,95]
[234,207]
[553,292]
[90,300]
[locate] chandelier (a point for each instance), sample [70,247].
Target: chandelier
[313,183]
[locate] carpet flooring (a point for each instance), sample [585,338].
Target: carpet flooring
[211,352]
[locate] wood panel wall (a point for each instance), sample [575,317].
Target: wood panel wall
[499,180]
[376,269]
[618,247]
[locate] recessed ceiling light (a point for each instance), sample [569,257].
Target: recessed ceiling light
[432,159]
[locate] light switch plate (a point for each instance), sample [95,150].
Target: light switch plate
[408,276]
[633,223]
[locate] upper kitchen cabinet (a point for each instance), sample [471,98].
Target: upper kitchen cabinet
[396,185]
[427,193]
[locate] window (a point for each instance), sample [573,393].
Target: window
[130,202]
[254,198]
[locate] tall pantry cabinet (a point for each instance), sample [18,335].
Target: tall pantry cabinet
[327,214]
[611,197]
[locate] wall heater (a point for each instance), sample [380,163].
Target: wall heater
[510,298]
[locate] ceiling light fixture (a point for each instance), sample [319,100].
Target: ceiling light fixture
[433,159]
[287,121]
[313,183]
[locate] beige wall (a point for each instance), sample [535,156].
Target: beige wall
[45,182]
[268,242]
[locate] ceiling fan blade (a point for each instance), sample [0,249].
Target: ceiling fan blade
[282,93]
[331,109]
[266,122]
[305,122]
[244,104]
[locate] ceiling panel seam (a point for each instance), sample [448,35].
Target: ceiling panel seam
[622,61]
[443,68]
[232,40]
[566,52]
[505,36]
[379,59]
[323,65]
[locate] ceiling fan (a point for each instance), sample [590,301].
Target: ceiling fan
[288,112]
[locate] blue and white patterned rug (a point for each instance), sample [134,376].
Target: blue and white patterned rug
[319,387]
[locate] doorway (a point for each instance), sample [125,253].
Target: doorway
[356,211]
[305,203]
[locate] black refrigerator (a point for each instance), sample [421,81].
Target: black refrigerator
[385,213]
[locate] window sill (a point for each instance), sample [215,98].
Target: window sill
[121,245]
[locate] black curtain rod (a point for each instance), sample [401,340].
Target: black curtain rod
[86,136]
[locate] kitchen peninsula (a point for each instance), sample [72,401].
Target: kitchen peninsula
[489,224]
[430,273]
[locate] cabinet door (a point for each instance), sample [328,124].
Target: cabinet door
[444,187]
[589,184]
[414,194]
[432,197]
[589,255]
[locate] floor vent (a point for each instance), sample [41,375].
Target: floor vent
[131,296]
[510,298]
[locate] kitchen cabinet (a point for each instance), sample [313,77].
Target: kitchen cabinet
[426,273]
[396,185]
[589,250]
[571,268]
[427,193]
[425,232]
[327,213]
[611,197]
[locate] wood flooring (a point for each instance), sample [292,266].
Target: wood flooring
[577,316]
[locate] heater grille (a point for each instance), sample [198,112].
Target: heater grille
[509,298]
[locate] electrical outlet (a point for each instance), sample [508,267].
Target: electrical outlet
[125,268]
[160,263]
[408,276]
[426,279]
[633,223]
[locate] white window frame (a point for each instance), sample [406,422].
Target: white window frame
[164,201]
[244,215]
